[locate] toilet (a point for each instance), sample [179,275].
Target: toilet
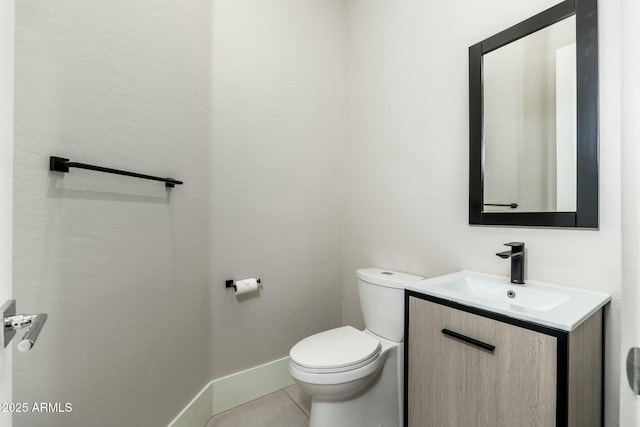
[355,377]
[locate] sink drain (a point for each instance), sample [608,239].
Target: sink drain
[511,294]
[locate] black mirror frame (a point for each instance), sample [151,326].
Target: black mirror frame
[586,214]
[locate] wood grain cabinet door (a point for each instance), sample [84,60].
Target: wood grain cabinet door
[452,382]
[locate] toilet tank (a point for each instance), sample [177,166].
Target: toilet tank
[382,301]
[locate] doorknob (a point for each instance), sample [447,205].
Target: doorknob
[12,322]
[633,369]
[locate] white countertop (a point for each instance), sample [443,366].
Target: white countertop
[546,304]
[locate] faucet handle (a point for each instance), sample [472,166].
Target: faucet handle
[515,246]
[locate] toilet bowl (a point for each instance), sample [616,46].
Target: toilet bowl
[355,377]
[338,374]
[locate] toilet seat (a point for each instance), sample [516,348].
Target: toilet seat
[335,370]
[333,378]
[334,351]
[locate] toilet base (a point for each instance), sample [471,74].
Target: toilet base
[378,404]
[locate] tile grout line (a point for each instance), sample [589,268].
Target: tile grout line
[295,403]
[209,422]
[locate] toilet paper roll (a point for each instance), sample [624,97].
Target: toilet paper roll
[245,286]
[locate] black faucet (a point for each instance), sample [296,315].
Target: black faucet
[517,261]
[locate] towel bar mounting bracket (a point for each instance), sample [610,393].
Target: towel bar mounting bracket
[58,164]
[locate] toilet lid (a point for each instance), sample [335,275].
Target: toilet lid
[336,348]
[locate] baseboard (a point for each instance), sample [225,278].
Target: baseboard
[233,390]
[198,411]
[250,384]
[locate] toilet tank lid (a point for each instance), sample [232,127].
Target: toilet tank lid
[388,278]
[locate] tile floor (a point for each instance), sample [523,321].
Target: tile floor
[284,408]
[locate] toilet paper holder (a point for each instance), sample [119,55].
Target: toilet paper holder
[232,283]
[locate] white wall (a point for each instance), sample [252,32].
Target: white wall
[406,186]
[630,402]
[7,25]
[119,264]
[276,174]
[251,115]
[271,183]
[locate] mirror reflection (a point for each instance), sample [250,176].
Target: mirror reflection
[530,122]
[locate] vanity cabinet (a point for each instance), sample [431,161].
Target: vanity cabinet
[470,367]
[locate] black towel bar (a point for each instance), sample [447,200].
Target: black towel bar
[506,205]
[61,164]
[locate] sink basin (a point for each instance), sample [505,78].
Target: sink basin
[526,297]
[543,303]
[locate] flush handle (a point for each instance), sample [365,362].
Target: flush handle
[33,324]
[474,342]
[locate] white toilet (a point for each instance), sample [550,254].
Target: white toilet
[355,377]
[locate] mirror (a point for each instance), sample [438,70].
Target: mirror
[533,121]
[529,107]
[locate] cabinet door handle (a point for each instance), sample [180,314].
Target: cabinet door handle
[468,340]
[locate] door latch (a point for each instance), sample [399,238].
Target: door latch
[33,324]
